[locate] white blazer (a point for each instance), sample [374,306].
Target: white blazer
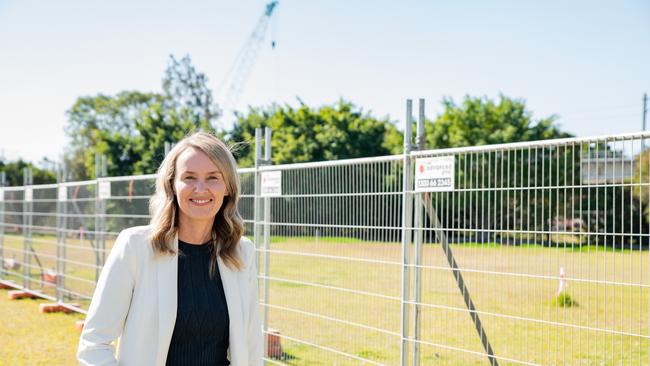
[135,301]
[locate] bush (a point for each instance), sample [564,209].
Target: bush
[564,300]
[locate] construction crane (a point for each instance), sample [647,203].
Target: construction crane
[236,79]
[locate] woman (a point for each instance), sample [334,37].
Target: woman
[183,290]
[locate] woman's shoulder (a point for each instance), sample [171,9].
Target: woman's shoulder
[246,243]
[137,231]
[246,248]
[134,237]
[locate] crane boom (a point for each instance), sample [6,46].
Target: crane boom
[240,71]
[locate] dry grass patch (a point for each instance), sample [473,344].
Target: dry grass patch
[31,338]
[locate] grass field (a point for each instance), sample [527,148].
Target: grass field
[508,284]
[343,295]
[31,338]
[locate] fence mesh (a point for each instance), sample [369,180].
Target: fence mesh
[537,255]
[335,263]
[551,243]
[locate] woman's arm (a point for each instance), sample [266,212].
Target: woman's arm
[109,306]
[255,336]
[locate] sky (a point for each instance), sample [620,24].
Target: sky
[587,62]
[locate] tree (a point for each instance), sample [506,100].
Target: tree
[481,121]
[304,134]
[132,127]
[154,128]
[187,93]
[92,119]
[331,132]
[14,172]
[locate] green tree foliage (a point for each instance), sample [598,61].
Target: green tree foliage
[331,132]
[339,131]
[142,151]
[481,121]
[132,127]
[186,91]
[14,172]
[96,123]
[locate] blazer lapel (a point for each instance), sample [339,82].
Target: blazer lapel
[238,352]
[167,301]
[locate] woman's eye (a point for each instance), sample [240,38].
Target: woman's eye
[189,177]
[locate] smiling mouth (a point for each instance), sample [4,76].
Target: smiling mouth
[199,202]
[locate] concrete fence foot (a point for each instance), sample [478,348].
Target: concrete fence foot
[6,286]
[55,308]
[274,345]
[19,294]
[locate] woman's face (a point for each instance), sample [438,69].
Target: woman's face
[199,186]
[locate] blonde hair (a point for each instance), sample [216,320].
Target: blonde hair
[228,225]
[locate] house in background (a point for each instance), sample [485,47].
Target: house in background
[606,166]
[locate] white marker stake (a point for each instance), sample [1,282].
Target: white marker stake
[562,286]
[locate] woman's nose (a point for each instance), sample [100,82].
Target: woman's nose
[199,186]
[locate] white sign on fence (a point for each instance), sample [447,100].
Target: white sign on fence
[29,195]
[104,190]
[63,193]
[272,184]
[434,174]
[2,194]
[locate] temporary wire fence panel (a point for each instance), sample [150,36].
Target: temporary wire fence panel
[119,202]
[39,244]
[80,256]
[550,245]
[128,202]
[13,229]
[335,262]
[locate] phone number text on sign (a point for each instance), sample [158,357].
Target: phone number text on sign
[434,174]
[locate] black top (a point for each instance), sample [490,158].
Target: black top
[201,331]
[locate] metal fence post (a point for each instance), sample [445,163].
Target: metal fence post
[59,202]
[267,239]
[257,210]
[3,181]
[61,225]
[168,147]
[64,248]
[98,217]
[102,210]
[257,203]
[27,226]
[418,231]
[406,232]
